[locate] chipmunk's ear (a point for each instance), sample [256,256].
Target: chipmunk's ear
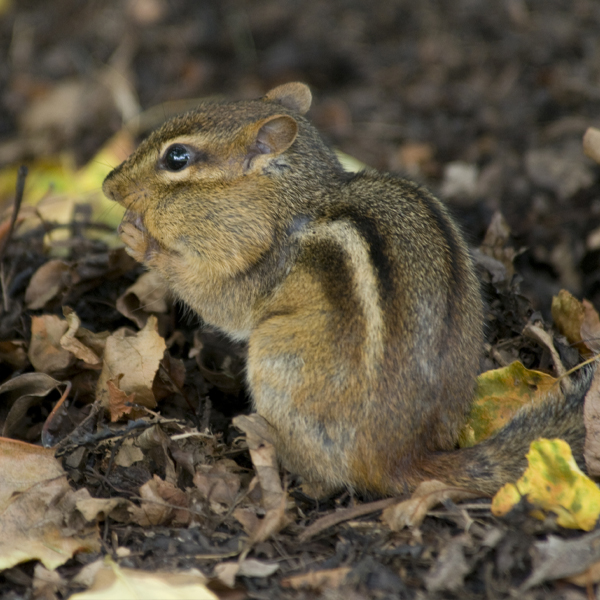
[295,96]
[275,134]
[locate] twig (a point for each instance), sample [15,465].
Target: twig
[344,515]
[21,176]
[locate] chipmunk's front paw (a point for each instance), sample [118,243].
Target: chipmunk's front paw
[137,239]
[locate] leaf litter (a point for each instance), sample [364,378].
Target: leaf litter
[159,474]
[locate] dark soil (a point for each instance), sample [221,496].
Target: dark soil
[484,102]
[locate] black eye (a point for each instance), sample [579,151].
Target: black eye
[177,157]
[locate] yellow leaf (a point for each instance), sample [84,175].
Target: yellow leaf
[500,394]
[553,482]
[54,186]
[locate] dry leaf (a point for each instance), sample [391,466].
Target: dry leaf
[119,402]
[317,580]
[264,459]
[111,581]
[590,327]
[129,453]
[450,568]
[500,394]
[591,417]
[45,352]
[217,484]
[99,509]
[568,315]
[160,500]
[14,353]
[591,143]
[47,282]
[136,357]
[47,583]
[556,558]
[146,296]
[23,466]
[70,342]
[553,482]
[38,509]
[226,572]
[495,245]
[411,512]
[23,392]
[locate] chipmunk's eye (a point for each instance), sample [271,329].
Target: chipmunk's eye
[177,157]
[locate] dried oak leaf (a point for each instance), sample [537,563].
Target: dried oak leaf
[162,503]
[217,483]
[136,357]
[38,515]
[146,296]
[47,282]
[45,352]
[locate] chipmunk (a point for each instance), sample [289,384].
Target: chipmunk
[355,293]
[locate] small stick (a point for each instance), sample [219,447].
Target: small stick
[21,176]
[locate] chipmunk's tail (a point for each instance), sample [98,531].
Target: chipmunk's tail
[500,459]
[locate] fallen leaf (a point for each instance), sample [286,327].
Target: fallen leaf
[217,484]
[411,512]
[450,568]
[47,583]
[553,482]
[136,357]
[45,352]
[317,580]
[591,143]
[496,246]
[556,558]
[119,403]
[146,296]
[55,187]
[23,466]
[129,453]
[70,342]
[568,315]
[99,509]
[546,340]
[14,353]
[162,503]
[591,417]
[499,395]
[23,392]
[226,572]
[112,581]
[37,515]
[590,327]
[264,459]
[47,282]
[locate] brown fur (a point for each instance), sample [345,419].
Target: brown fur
[356,295]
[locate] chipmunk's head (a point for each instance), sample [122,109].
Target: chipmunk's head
[218,180]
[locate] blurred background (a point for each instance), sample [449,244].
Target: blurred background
[484,102]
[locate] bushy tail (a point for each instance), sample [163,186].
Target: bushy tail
[501,459]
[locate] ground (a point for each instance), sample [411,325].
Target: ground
[484,103]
